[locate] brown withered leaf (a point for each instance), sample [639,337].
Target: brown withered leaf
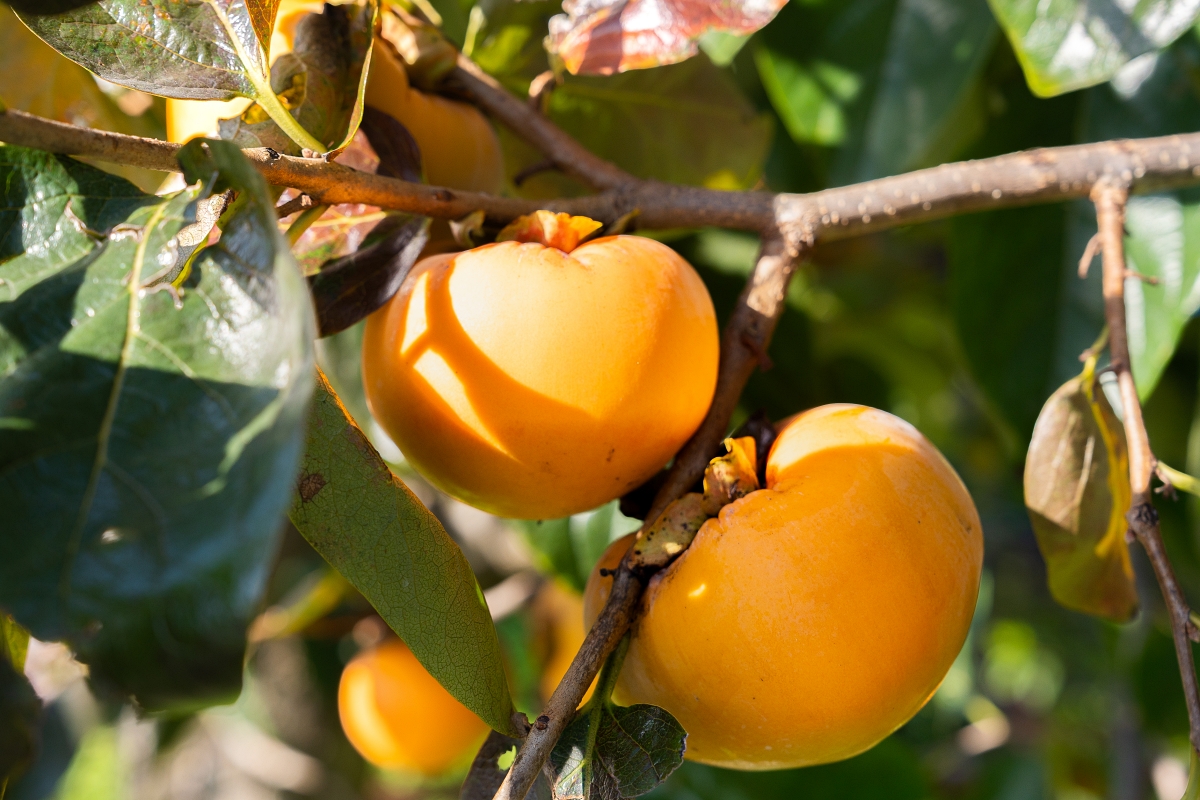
[601,37]
[726,479]
[1077,493]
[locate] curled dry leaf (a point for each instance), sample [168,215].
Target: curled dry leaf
[601,37]
[1077,493]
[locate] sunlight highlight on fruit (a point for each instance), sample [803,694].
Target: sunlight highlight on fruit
[535,383]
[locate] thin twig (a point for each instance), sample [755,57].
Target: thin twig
[754,319]
[298,203]
[569,155]
[1110,198]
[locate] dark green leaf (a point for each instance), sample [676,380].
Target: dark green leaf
[633,750]
[639,746]
[148,433]
[397,150]
[347,289]
[686,123]
[486,774]
[894,83]
[19,712]
[373,530]
[323,80]
[1069,44]
[1005,279]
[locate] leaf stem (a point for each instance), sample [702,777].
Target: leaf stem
[1180,480]
[270,103]
[303,222]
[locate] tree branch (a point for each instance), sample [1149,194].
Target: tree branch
[746,336]
[1110,197]
[1018,179]
[527,122]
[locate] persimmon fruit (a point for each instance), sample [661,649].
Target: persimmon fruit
[815,616]
[537,379]
[399,717]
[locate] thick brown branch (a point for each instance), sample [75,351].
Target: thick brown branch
[1018,179]
[527,122]
[1110,199]
[747,334]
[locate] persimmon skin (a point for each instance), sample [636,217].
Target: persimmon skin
[399,717]
[533,383]
[816,616]
[459,148]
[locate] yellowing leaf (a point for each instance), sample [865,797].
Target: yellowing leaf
[1077,493]
[600,37]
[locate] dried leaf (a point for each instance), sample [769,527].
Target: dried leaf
[347,289]
[731,476]
[601,37]
[1077,492]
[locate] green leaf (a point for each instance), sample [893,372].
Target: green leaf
[640,746]
[323,79]
[894,84]
[685,123]
[1005,289]
[365,522]
[1065,45]
[633,749]
[148,433]
[1077,493]
[1163,230]
[205,50]
[571,546]
[19,712]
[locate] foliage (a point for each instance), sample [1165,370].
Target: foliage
[156,373]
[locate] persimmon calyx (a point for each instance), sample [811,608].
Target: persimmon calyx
[561,231]
[726,479]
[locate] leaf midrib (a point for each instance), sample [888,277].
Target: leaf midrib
[110,411]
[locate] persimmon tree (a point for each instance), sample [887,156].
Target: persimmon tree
[162,413]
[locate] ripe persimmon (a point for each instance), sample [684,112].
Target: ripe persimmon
[813,617]
[459,148]
[537,379]
[399,717]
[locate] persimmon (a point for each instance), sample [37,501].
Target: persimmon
[558,616]
[459,148]
[399,717]
[817,615]
[537,378]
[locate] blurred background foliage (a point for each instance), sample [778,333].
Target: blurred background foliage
[963,327]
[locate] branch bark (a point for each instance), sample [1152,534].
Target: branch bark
[746,337]
[1110,198]
[1018,179]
